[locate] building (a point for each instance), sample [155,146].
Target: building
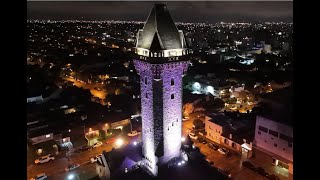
[276,139]
[235,134]
[161,62]
[274,129]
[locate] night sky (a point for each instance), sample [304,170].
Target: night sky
[187,11]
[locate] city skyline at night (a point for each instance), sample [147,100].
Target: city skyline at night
[177,90]
[189,11]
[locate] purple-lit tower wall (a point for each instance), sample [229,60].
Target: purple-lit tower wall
[161,109]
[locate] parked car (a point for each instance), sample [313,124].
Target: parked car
[40,177]
[223,151]
[111,140]
[133,133]
[97,144]
[262,172]
[202,140]
[44,159]
[185,119]
[273,177]
[72,167]
[209,162]
[193,136]
[224,172]
[247,164]
[83,148]
[94,159]
[213,146]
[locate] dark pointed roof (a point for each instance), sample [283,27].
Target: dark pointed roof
[160,27]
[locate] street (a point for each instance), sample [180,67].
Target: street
[233,163]
[91,86]
[57,166]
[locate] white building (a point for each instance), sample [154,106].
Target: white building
[227,132]
[275,139]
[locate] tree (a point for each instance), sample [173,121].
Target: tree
[102,134]
[188,108]
[198,124]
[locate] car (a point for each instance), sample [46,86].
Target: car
[97,144]
[225,172]
[133,133]
[261,171]
[82,149]
[185,119]
[223,151]
[209,162]
[273,177]
[94,159]
[40,177]
[193,136]
[247,164]
[44,159]
[71,167]
[111,140]
[213,146]
[202,140]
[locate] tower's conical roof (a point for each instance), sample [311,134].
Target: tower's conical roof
[160,27]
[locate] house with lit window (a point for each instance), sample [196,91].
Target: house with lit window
[234,134]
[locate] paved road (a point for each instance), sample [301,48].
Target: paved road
[57,166]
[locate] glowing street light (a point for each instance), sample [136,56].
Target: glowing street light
[72,176]
[135,143]
[183,139]
[119,142]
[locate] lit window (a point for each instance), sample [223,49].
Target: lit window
[155,54]
[48,135]
[172,96]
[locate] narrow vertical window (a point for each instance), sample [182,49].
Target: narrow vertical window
[145,80]
[172,96]
[172,82]
[146,95]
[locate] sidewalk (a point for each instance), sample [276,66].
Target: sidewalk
[261,159]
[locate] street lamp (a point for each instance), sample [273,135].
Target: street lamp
[119,142]
[72,176]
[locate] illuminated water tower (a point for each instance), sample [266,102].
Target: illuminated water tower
[162,61]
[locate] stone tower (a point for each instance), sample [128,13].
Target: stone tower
[161,61]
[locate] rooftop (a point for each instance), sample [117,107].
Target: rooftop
[220,119]
[160,31]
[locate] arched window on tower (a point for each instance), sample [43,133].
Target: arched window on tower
[155,54]
[172,82]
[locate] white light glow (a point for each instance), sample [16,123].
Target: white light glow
[196,86]
[119,142]
[210,90]
[135,143]
[71,176]
[183,139]
[179,164]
